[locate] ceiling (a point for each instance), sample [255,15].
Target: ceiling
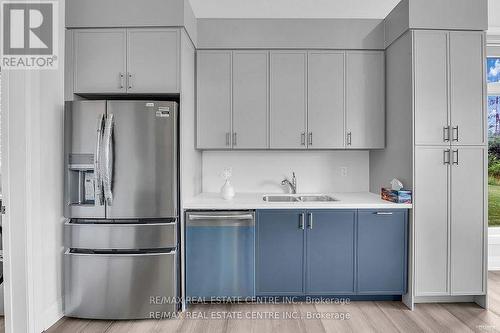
[293,8]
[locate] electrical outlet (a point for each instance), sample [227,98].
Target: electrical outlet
[343,171]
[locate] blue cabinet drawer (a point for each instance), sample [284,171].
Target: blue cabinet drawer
[382,252]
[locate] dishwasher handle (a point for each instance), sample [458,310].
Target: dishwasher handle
[194,217]
[221,219]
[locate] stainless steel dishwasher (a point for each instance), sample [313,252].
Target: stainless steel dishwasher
[220,254]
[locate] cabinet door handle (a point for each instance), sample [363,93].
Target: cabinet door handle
[122,77]
[301,222]
[446,157]
[228,139]
[455,157]
[310,138]
[446,133]
[383,213]
[310,224]
[129,80]
[235,139]
[455,133]
[303,138]
[349,138]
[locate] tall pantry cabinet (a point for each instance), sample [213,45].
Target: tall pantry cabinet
[450,157]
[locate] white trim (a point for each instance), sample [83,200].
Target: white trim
[6,233]
[494,248]
[493,35]
[53,313]
[444,299]
[494,88]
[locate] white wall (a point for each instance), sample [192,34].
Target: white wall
[263,171]
[190,156]
[32,161]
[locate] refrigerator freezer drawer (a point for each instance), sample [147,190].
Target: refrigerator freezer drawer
[120,286]
[120,235]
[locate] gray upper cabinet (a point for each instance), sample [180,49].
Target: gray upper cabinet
[250,99]
[100,60]
[449,88]
[214,99]
[431,87]
[466,88]
[153,60]
[288,99]
[365,99]
[126,61]
[325,95]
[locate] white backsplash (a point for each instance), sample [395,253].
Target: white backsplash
[262,171]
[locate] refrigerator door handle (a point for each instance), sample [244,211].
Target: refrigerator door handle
[108,160]
[97,161]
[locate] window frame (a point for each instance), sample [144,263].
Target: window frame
[492,51]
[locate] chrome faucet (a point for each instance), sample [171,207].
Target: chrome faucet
[291,184]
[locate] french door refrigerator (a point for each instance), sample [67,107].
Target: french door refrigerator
[121,201]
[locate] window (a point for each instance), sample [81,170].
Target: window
[493,79]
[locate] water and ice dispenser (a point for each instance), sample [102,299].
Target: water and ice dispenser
[81,179]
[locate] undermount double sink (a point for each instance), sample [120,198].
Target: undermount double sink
[298,198]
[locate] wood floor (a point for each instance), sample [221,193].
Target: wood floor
[363,317]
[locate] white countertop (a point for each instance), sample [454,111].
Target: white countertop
[357,200]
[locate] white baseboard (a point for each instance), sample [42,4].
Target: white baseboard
[52,314]
[494,249]
[444,299]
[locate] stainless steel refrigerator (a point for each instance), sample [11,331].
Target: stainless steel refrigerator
[121,201]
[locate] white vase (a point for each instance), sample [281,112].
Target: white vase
[227,190]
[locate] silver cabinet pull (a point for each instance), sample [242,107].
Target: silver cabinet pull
[122,77]
[303,138]
[310,224]
[228,139]
[455,133]
[234,139]
[446,157]
[301,222]
[310,138]
[349,138]
[455,157]
[129,80]
[446,133]
[383,213]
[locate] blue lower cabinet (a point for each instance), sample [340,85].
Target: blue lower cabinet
[280,252]
[330,252]
[382,252]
